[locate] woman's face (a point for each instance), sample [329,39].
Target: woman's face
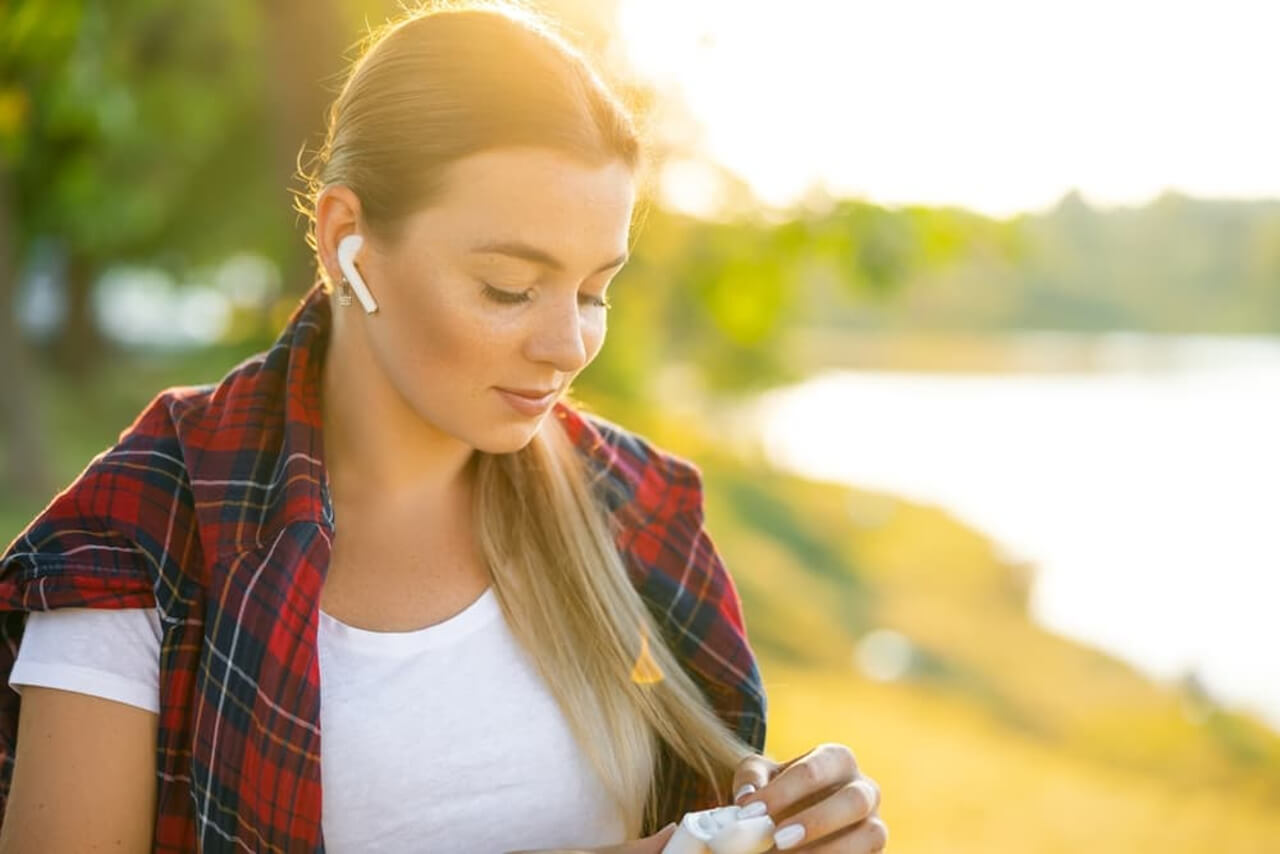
[498,285]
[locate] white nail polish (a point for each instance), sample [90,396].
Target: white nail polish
[788,836]
[753,809]
[747,788]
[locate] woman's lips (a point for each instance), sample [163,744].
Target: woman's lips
[524,404]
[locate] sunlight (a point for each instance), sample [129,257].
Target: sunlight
[995,105]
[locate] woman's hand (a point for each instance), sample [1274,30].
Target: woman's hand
[648,845]
[818,801]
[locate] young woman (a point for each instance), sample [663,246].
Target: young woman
[521,633]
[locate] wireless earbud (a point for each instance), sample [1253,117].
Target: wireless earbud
[347,249]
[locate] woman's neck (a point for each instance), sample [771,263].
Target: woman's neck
[377,449]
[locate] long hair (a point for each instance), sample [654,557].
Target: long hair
[440,83]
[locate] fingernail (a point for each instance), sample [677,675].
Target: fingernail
[753,809]
[789,835]
[747,788]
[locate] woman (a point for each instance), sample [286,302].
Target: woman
[524,636]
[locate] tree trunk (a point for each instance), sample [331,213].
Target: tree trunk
[305,42]
[26,472]
[80,346]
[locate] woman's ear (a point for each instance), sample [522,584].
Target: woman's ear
[337,215]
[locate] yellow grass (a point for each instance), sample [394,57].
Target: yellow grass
[954,780]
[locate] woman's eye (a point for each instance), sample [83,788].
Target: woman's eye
[499,295]
[510,297]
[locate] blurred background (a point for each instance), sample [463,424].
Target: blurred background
[970,314]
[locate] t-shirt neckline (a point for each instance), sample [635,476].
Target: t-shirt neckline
[476,615]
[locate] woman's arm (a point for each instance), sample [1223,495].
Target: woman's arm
[84,776]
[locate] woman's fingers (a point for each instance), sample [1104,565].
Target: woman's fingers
[851,804]
[824,767]
[751,775]
[869,836]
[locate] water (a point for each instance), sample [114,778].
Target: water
[1146,497]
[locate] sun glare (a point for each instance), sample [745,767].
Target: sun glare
[996,105]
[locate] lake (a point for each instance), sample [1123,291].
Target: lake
[1144,490]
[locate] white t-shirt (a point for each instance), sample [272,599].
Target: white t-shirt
[443,738]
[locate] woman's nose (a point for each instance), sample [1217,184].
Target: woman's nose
[558,336]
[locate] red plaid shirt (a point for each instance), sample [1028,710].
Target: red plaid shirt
[214,508]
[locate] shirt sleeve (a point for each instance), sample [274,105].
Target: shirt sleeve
[107,652]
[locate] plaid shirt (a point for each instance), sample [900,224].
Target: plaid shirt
[214,508]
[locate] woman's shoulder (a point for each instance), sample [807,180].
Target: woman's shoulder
[655,477]
[683,577]
[93,542]
[133,508]
[181,422]
[258,394]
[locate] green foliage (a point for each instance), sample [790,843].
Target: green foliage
[1174,265]
[724,296]
[126,109]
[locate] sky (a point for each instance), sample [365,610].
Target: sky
[999,106]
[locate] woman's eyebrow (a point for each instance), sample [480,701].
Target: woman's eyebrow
[519,249]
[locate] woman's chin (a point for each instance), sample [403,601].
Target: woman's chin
[509,438]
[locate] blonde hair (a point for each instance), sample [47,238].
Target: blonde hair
[445,81]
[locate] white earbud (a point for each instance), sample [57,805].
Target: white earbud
[347,249]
